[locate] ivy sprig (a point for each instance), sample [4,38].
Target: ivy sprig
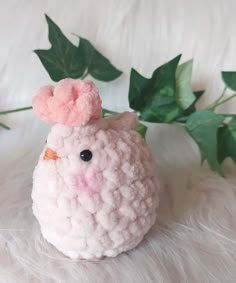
[168,98]
[165,97]
[65,59]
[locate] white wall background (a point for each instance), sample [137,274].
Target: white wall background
[196,240]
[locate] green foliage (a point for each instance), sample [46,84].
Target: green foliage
[202,126]
[155,98]
[227,141]
[96,64]
[184,94]
[192,108]
[166,97]
[142,130]
[229,79]
[65,60]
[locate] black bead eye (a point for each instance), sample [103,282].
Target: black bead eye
[86,155]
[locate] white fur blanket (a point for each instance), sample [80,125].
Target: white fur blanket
[194,239]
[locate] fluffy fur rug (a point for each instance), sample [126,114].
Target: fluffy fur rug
[194,239]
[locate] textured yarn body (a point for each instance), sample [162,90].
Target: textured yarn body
[98,208]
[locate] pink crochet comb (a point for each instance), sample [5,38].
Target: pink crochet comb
[71,103]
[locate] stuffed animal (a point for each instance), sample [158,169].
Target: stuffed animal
[95,192]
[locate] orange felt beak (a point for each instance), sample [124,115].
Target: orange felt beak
[50,154]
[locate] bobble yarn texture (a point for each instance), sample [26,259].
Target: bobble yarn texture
[95,192]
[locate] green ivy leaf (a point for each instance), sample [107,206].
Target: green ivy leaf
[198,94]
[142,130]
[155,98]
[202,126]
[229,79]
[63,59]
[98,66]
[137,85]
[227,141]
[192,107]
[184,94]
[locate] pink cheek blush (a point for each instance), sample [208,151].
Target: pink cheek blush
[86,184]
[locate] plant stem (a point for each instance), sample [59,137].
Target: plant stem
[4,126]
[215,103]
[15,110]
[224,100]
[228,115]
[84,75]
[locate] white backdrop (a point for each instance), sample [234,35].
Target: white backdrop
[194,239]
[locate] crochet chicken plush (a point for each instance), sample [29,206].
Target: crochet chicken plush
[95,192]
